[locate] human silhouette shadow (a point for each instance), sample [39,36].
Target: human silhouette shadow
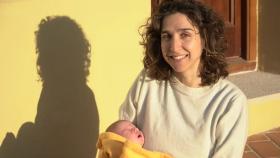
[67,120]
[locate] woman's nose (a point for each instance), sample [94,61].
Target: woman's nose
[175,44]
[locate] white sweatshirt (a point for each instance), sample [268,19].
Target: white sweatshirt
[187,122]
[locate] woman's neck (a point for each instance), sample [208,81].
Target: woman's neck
[189,79]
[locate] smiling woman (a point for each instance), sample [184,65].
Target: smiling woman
[181,47]
[181,100]
[240,30]
[208,35]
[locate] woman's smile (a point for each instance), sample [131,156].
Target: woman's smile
[178,57]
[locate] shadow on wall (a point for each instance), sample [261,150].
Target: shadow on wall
[67,120]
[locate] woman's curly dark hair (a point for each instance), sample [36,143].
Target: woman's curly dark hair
[63,50]
[211,30]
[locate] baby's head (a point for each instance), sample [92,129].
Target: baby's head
[128,130]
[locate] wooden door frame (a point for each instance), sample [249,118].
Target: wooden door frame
[247,61]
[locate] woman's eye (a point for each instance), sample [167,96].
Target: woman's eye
[185,35]
[165,36]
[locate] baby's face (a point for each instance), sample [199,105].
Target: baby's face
[129,131]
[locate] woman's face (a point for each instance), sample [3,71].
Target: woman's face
[181,44]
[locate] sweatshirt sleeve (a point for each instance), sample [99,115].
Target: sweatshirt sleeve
[231,132]
[128,108]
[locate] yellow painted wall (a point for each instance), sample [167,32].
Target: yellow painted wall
[110,26]
[264,113]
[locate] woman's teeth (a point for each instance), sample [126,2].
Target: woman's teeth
[178,57]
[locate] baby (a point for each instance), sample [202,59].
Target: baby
[128,130]
[123,139]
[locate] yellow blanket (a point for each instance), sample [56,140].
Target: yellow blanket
[111,145]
